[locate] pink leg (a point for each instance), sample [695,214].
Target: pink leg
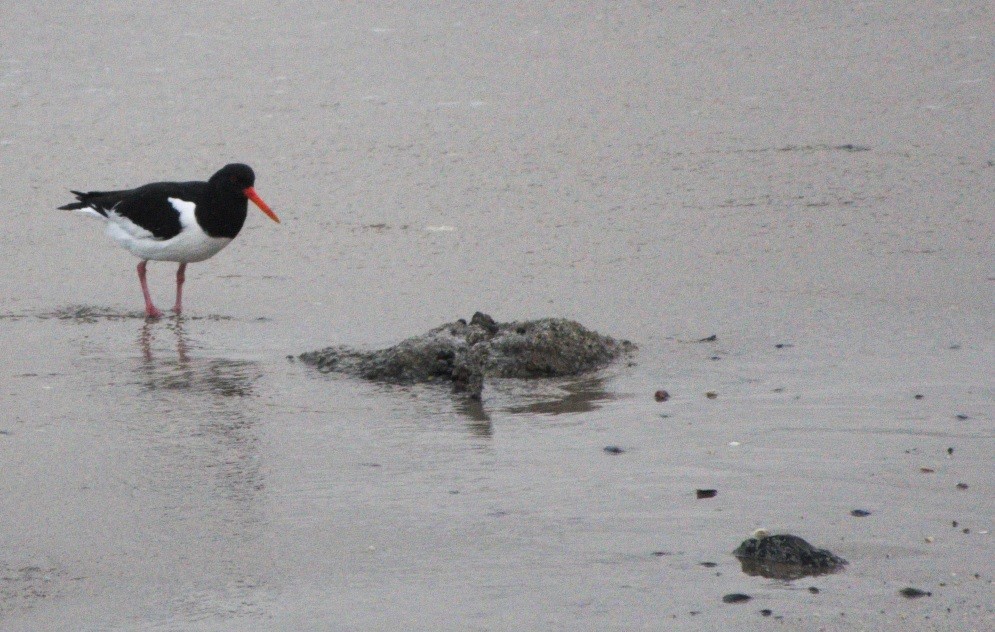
[150,310]
[180,278]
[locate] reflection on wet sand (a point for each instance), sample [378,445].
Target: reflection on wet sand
[201,453]
[479,421]
[581,396]
[217,376]
[785,572]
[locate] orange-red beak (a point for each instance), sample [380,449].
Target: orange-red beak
[258,201]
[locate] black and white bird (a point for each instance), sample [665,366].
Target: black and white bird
[184,222]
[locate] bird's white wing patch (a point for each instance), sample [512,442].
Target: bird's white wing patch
[122,229]
[186,210]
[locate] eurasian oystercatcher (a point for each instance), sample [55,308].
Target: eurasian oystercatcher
[175,221]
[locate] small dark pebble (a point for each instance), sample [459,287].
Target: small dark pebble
[966,530]
[766,612]
[813,590]
[613,449]
[954,347]
[711,394]
[661,396]
[860,513]
[914,593]
[919,396]
[736,598]
[705,493]
[711,338]
[783,345]
[950,450]
[962,416]
[709,564]
[715,358]
[954,524]
[661,553]
[961,485]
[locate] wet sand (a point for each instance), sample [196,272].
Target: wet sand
[813,187]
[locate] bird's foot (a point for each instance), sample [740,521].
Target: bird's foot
[153,312]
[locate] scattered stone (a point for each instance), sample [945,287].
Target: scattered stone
[927,470]
[962,486]
[766,612]
[914,593]
[661,396]
[783,345]
[962,417]
[613,449]
[736,598]
[929,539]
[711,338]
[860,513]
[464,353]
[919,396]
[661,553]
[950,451]
[785,556]
[705,493]
[708,564]
[711,394]
[814,590]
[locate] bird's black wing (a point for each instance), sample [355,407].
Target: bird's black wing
[148,207]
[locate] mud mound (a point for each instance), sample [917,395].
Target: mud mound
[464,353]
[785,557]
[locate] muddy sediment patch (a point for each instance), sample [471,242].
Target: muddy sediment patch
[464,353]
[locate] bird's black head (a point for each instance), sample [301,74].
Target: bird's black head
[234,177]
[234,183]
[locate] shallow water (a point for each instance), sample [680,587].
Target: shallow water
[809,187]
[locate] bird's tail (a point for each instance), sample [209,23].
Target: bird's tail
[84,201]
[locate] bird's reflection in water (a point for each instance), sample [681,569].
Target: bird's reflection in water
[580,397]
[200,425]
[216,376]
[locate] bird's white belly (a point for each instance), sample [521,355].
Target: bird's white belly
[190,246]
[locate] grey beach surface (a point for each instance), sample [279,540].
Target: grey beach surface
[787,207]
